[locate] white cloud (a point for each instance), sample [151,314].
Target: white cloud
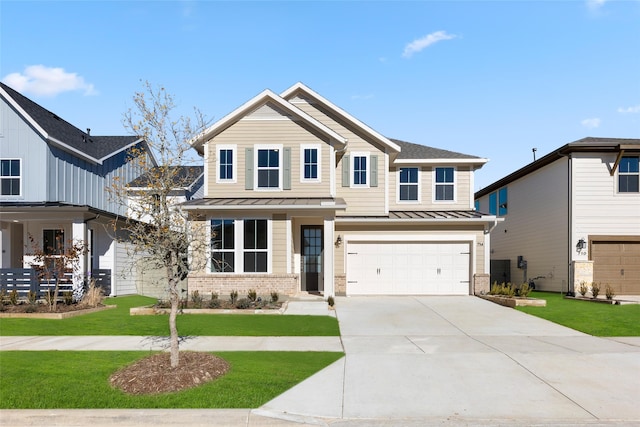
[591,123]
[47,81]
[426,41]
[634,109]
[595,4]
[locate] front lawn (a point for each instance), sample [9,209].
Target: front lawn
[602,320]
[118,322]
[76,379]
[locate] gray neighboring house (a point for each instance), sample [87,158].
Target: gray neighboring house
[53,179]
[572,216]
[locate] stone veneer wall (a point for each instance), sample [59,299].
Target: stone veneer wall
[481,284]
[263,284]
[340,283]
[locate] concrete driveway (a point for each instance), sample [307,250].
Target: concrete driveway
[428,360]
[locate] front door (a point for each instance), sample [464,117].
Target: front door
[311,265]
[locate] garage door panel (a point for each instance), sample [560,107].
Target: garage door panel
[617,264]
[407,268]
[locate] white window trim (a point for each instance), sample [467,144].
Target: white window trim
[419,184]
[618,192]
[317,147]
[234,149]
[280,149]
[352,160]
[454,184]
[235,245]
[20,177]
[238,243]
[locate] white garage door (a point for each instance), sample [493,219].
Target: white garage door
[407,268]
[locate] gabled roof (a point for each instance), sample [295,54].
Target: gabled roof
[95,149]
[184,177]
[299,87]
[588,144]
[257,101]
[416,153]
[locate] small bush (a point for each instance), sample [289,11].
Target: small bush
[196,299]
[48,297]
[13,297]
[31,308]
[609,292]
[233,297]
[93,296]
[214,296]
[595,289]
[524,290]
[214,303]
[331,301]
[583,288]
[252,295]
[67,297]
[274,297]
[494,289]
[32,296]
[243,303]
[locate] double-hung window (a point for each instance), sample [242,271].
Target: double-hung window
[360,169]
[226,163]
[408,187]
[222,245]
[255,245]
[268,168]
[310,163]
[628,175]
[445,184]
[10,177]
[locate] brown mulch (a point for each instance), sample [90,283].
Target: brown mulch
[44,308]
[153,374]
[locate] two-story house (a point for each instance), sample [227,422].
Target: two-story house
[300,196]
[53,180]
[572,216]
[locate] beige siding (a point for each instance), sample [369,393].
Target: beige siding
[535,227]
[279,244]
[598,208]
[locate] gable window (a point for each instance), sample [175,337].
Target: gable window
[268,168]
[359,169]
[445,184]
[53,242]
[628,175]
[10,177]
[310,163]
[226,163]
[502,201]
[255,245]
[493,203]
[408,188]
[222,245]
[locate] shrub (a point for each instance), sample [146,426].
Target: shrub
[13,297]
[214,303]
[509,290]
[252,295]
[524,290]
[233,297]
[274,297]
[93,296]
[609,292]
[214,296]
[196,299]
[243,303]
[67,297]
[494,289]
[31,308]
[48,297]
[583,288]
[32,296]
[331,301]
[595,289]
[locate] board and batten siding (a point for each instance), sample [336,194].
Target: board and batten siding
[536,227]
[598,208]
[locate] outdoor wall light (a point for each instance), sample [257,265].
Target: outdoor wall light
[339,241]
[580,245]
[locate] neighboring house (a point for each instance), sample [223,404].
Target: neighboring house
[53,180]
[571,216]
[300,196]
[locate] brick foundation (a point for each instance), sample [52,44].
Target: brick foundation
[263,284]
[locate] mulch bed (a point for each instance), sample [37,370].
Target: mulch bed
[43,308]
[153,374]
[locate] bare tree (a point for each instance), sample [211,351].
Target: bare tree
[156,229]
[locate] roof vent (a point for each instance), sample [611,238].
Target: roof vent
[88,131]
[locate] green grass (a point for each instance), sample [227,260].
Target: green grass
[73,379]
[602,320]
[118,322]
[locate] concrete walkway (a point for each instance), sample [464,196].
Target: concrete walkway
[410,361]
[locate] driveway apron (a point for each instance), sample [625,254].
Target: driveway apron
[464,358]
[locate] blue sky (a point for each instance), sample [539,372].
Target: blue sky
[492,79]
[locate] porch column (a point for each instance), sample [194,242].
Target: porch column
[329,231]
[79,234]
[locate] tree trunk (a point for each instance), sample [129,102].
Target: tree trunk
[173,329]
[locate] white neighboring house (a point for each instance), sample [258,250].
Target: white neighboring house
[53,180]
[572,216]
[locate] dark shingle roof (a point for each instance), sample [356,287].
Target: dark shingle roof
[96,147]
[183,176]
[417,151]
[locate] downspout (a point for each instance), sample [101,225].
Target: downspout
[570,290]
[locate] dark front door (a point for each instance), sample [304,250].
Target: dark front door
[311,265]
